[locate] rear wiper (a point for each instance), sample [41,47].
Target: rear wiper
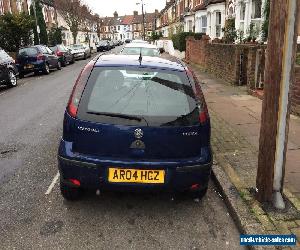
[129,117]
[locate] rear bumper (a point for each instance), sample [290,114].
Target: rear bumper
[79,56]
[37,66]
[93,173]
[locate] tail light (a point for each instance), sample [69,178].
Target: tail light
[78,88]
[59,53]
[203,114]
[40,57]
[203,111]
[75,182]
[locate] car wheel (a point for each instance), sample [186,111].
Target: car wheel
[21,75]
[64,63]
[199,194]
[46,69]
[12,79]
[68,192]
[84,56]
[58,65]
[72,61]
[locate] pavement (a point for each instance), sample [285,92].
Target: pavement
[31,125]
[235,118]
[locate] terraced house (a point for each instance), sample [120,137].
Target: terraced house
[128,26]
[206,16]
[13,6]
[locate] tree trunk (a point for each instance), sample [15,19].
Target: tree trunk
[74,36]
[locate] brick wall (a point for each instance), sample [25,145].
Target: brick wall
[225,62]
[295,93]
[233,63]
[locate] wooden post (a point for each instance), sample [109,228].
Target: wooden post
[279,70]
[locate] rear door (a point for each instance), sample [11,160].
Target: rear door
[52,58]
[139,113]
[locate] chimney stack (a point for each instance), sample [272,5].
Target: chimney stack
[135,13]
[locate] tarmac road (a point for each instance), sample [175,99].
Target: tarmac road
[31,124]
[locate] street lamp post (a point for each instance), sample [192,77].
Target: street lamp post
[143,13]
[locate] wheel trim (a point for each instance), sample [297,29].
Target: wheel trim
[12,78]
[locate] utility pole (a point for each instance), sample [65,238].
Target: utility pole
[144,32]
[143,14]
[36,22]
[279,75]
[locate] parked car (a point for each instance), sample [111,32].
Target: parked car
[139,41]
[80,51]
[116,42]
[112,44]
[103,46]
[135,125]
[38,58]
[64,54]
[127,41]
[140,48]
[8,70]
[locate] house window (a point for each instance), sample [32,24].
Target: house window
[203,21]
[256,9]
[218,24]
[209,23]
[242,11]
[118,27]
[190,26]
[1,7]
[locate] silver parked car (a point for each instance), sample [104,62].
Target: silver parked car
[80,51]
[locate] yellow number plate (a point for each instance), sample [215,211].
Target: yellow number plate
[119,175]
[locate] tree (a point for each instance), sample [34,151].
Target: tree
[230,33]
[43,35]
[55,36]
[87,23]
[265,25]
[98,25]
[71,11]
[15,31]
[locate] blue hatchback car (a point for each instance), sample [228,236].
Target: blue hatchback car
[135,124]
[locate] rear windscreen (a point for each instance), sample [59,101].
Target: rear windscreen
[159,97]
[138,51]
[28,51]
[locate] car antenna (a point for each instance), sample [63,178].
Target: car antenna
[140,58]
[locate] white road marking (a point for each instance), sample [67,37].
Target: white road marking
[55,179]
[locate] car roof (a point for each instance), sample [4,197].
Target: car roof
[133,60]
[139,41]
[141,45]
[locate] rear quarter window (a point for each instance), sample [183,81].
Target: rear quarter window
[161,97]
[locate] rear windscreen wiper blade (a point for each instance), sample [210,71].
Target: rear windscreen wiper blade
[129,117]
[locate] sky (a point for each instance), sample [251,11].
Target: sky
[108,7]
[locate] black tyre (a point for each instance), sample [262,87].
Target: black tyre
[21,75]
[84,56]
[68,192]
[46,69]
[58,65]
[72,61]
[12,79]
[64,63]
[198,194]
